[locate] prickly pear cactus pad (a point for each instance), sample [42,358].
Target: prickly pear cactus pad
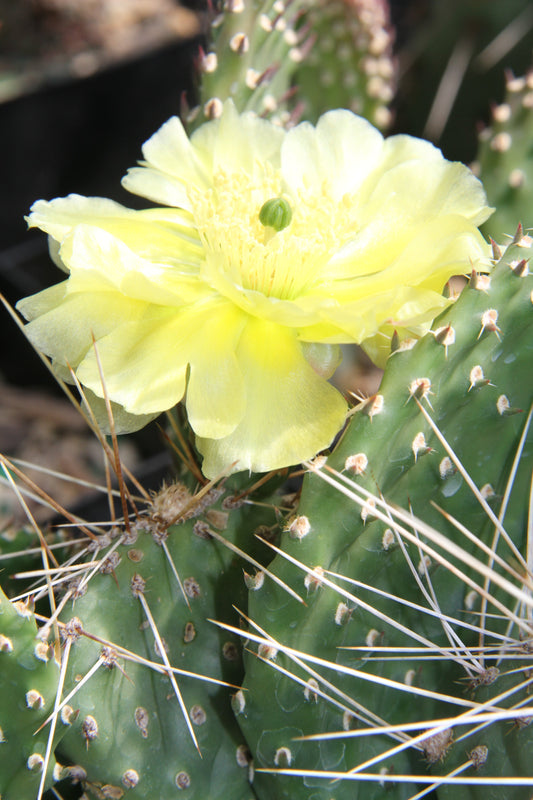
[151,678]
[505,158]
[409,665]
[29,677]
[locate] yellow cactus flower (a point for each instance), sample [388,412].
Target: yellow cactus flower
[267,250]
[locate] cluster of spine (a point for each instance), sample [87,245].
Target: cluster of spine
[505,159]
[141,606]
[255,49]
[365,618]
[350,64]
[148,677]
[396,630]
[21,552]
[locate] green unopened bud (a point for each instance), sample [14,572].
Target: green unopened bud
[275,213]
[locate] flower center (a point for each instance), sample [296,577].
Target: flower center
[259,238]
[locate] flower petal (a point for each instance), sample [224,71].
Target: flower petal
[143,361]
[233,142]
[171,164]
[165,235]
[463,192]
[58,217]
[146,361]
[122,421]
[62,325]
[291,413]
[439,188]
[98,261]
[216,395]
[341,151]
[40,303]
[439,249]
[239,142]
[157,186]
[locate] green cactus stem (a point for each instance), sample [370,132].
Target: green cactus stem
[350,64]
[505,158]
[29,679]
[255,49]
[145,611]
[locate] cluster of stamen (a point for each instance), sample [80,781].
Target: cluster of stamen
[283,263]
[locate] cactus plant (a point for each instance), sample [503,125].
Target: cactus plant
[21,552]
[14,540]
[386,649]
[253,53]
[143,613]
[370,593]
[363,591]
[380,582]
[288,59]
[505,157]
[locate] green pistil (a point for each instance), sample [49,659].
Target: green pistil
[275,213]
